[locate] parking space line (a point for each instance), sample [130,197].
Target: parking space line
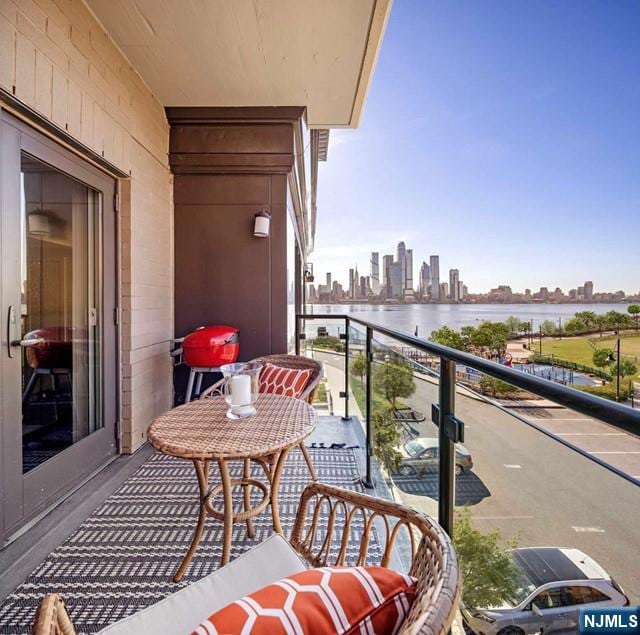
[513,467]
[621,452]
[590,530]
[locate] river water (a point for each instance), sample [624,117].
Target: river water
[428,317]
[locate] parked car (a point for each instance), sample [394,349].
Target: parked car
[421,455]
[555,584]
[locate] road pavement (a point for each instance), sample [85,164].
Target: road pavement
[533,488]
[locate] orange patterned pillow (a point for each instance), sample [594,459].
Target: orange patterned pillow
[329,600]
[289,382]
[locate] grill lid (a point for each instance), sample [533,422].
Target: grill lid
[209,336]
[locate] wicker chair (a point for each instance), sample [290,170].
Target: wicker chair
[323,532]
[288,361]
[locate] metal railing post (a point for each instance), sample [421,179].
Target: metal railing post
[368,481]
[297,334]
[346,370]
[446,482]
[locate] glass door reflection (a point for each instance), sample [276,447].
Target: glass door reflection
[60,304]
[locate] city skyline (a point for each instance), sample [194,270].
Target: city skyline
[395,281]
[552,288]
[504,156]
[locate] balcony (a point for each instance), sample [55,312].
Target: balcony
[179,128]
[527,471]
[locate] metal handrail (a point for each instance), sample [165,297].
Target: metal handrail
[603,409]
[450,428]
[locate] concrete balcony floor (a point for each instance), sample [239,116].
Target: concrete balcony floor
[91,529]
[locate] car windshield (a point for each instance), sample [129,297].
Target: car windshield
[413,447]
[524,589]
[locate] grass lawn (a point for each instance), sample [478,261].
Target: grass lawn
[580,349]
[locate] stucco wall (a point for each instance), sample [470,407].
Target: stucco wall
[56,58]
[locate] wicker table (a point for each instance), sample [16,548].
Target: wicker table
[201,431]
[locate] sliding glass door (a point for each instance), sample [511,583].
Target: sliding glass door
[58,296]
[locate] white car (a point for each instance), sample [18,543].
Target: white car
[555,584]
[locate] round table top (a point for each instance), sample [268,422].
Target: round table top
[202,430]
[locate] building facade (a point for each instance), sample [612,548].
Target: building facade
[375,273]
[454,278]
[434,265]
[137,186]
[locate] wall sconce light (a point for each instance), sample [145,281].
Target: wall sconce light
[261,224]
[39,224]
[308,272]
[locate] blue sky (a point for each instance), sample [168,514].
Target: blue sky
[503,136]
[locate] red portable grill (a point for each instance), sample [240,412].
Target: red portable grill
[51,348]
[211,346]
[206,349]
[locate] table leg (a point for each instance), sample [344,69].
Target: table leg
[202,472]
[228,510]
[275,483]
[310,465]
[246,492]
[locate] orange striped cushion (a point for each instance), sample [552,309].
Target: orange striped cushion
[289,382]
[329,600]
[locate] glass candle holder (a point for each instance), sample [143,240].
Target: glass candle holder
[241,388]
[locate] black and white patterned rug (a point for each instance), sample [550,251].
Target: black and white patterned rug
[123,557]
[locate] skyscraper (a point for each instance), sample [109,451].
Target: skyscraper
[434,265]
[375,272]
[394,287]
[329,282]
[401,259]
[408,274]
[588,291]
[454,278]
[352,289]
[424,280]
[363,287]
[386,263]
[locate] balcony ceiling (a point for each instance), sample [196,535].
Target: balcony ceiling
[318,54]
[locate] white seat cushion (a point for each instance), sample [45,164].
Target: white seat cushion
[181,612]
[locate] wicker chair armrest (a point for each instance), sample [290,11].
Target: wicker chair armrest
[215,390]
[310,389]
[52,617]
[322,533]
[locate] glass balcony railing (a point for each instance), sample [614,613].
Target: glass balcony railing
[483,446]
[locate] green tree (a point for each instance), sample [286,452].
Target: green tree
[575,325]
[525,327]
[394,379]
[634,311]
[448,337]
[627,368]
[548,327]
[491,337]
[602,357]
[359,366]
[386,439]
[615,319]
[466,333]
[489,575]
[587,318]
[514,325]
